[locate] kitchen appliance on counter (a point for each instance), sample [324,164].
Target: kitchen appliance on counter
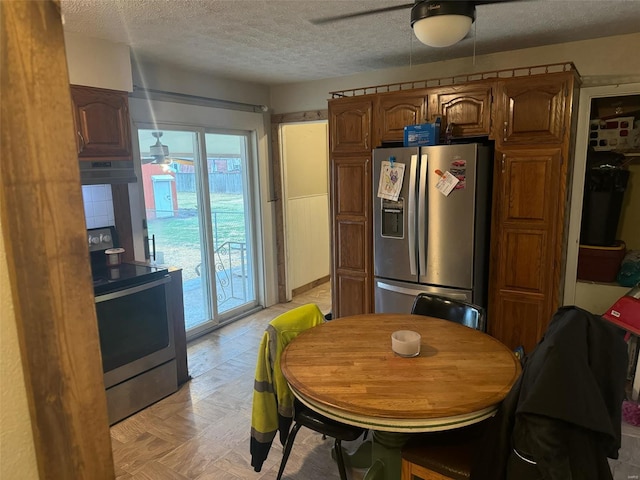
[433,237]
[135,329]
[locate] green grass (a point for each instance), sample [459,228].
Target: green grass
[178,238]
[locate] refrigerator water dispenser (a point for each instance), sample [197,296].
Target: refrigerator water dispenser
[392,218]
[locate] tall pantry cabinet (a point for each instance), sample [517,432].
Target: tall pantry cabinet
[530,120]
[350,189]
[532,130]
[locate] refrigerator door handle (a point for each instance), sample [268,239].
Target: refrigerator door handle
[422,215]
[411,218]
[403,290]
[413,292]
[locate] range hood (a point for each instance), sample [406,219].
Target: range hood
[107,172]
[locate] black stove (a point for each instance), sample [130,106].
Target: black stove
[108,278]
[125,275]
[135,326]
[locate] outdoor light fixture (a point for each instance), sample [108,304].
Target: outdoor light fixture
[159,152]
[442,23]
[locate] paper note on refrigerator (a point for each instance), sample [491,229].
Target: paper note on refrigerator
[391,176]
[446,183]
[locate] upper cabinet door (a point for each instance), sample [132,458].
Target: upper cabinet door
[531,110]
[350,125]
[102,123]
[468,107]
[394,111]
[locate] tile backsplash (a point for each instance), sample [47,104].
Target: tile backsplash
[98,205]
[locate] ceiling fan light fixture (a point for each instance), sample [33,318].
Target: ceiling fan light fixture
[442,23]
[159,151]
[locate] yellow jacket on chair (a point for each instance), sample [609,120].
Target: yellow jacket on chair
[272,399]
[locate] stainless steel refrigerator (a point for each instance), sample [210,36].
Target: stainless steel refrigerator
[426,241]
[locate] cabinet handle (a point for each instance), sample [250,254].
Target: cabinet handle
[366,141]
[504,132]
[82,142]
[504,156]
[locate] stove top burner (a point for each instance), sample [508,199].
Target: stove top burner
[108,279]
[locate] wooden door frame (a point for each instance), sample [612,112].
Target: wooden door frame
[46,249]
[277,121]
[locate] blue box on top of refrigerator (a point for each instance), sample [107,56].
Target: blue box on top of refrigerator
[431,233]
[422,135]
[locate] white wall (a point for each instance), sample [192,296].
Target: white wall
[97,63]
[305,160]
[306,157]
[175,79]
[615,56]
[17,452]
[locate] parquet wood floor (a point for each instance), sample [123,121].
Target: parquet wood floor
[202,431]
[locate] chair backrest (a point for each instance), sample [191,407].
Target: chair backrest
[289,324]
[457,311]
[272,407]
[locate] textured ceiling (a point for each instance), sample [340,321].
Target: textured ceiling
[273,42]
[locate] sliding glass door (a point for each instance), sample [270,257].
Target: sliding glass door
[199,215]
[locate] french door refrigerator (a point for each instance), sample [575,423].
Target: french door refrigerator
[428,240]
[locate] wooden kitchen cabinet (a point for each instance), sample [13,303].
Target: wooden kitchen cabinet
[351,205]
[468,107]
[350,125]
[530,119]
[101,120]
[352,233]
[524,273]
[533,110]
[531,183]
[393,111]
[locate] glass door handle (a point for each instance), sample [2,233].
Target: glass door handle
[153,246]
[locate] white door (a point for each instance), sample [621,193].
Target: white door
[162,195]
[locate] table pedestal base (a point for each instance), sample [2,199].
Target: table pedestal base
[385,448]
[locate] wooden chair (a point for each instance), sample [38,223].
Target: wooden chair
[442,455]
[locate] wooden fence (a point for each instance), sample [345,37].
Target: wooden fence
[218,182]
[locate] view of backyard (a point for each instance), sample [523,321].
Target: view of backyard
[183,229]
[178,244]
[176,169]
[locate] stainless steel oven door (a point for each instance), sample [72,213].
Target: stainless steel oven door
[136,331]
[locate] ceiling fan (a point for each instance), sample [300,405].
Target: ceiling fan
[159,155]
[437,23]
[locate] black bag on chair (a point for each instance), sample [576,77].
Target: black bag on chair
[562,418]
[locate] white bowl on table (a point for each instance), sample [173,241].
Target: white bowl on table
[406,343]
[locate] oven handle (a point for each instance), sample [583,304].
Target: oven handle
[128,291]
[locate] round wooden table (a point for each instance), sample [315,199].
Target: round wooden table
[346,370]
